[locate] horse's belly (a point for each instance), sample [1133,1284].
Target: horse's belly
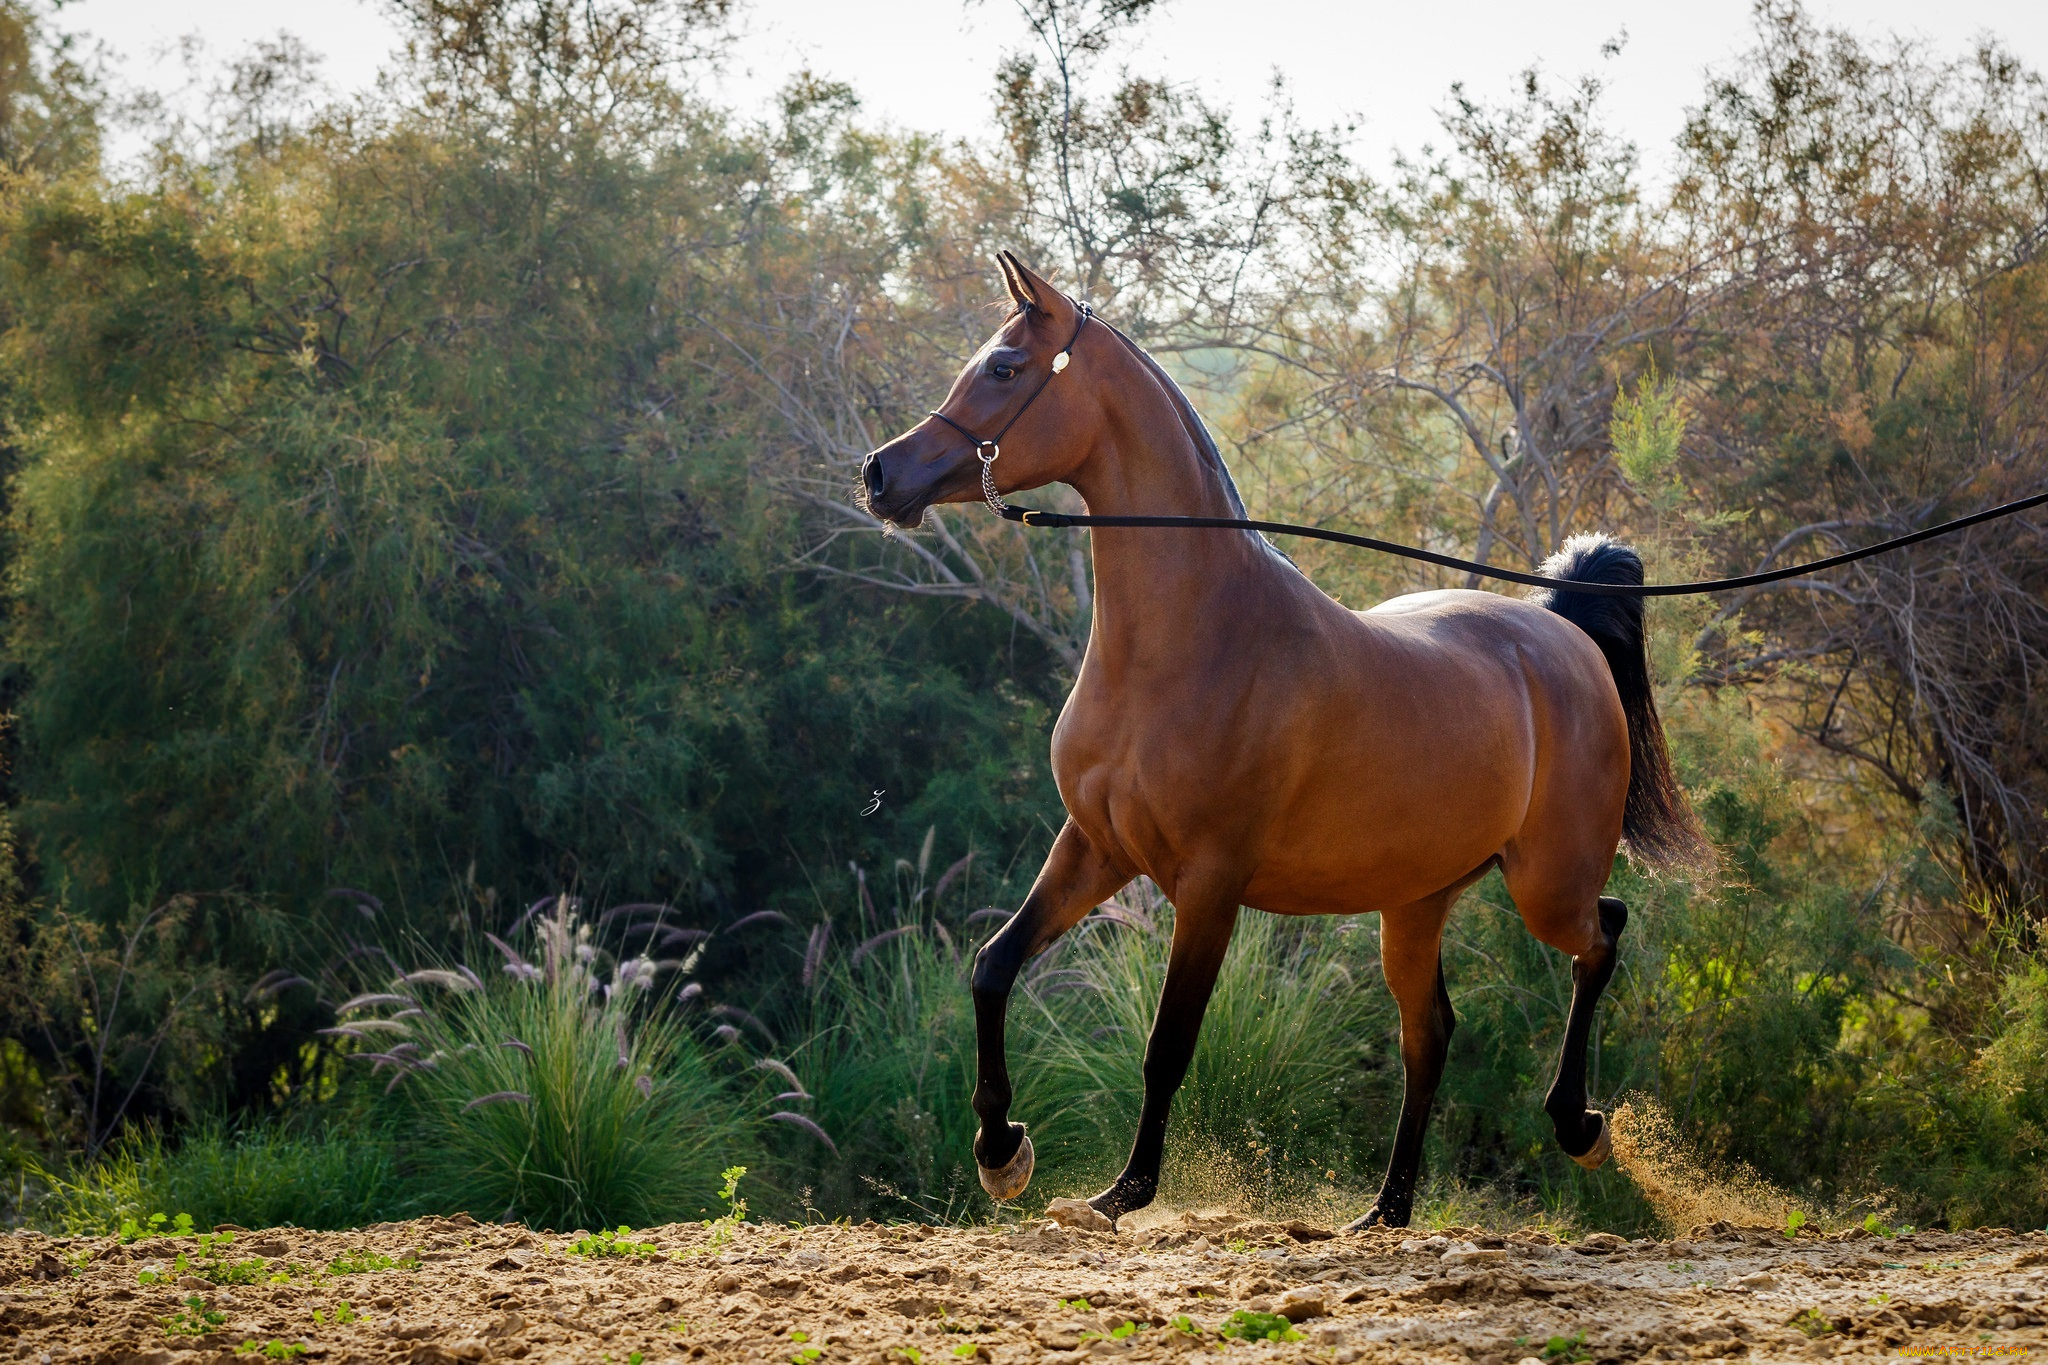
[1378,846]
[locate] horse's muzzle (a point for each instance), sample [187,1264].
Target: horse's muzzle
[899,500]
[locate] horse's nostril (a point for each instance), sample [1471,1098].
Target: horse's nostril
[871,475]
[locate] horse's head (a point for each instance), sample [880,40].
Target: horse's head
[1010,380]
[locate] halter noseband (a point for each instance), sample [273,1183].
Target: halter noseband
[986,451]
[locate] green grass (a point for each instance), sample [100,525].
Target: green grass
[571,1099]
[265,1176]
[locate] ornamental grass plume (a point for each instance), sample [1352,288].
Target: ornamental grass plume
[569,1090]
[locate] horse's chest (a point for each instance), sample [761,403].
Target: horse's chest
[1143,786]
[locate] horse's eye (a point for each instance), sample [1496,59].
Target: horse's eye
[1003,371]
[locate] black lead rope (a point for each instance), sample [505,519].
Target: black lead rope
[987,451]
[1031,516]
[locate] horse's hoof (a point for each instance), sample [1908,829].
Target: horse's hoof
[1008,1180]
[1374,1219]
[1594,1157]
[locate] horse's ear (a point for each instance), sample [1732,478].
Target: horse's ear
[1019,280]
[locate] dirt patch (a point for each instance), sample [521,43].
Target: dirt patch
[441,1290]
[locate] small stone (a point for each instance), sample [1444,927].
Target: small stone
[1079,1215]
[1299,1305]
[1756,1283]
[727,1283]
[1600,1244]
[1425,1246]
[193,1282]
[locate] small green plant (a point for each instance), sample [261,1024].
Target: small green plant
[804,1354]
[254,1270]
[1571,1349]
[1119,1333]
[1875,1226]
[1245,1325]
[636,1357]
[180,1267]
[1812,1323]
[966,1350]
[342,1316]
[729,1193]
[1794,1220]
[195,1319]
[1237,1245]
[619,1243]
[133,1231]
[364,1262]
[1187,1326]
[1881,1296]
[911,1354]
[272,1350]
[1075,1305]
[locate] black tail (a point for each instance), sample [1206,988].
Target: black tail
[1660,827]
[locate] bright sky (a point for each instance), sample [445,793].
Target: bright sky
[928,64]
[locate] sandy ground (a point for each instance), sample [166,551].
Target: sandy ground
[459,1290]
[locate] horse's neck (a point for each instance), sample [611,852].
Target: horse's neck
[1152,584]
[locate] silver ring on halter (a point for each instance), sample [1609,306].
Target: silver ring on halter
[991,447]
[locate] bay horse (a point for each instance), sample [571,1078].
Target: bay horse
[1242,739]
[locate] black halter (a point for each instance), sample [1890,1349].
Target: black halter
[986,451]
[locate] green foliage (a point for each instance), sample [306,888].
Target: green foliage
[1647,430]
[615,1243]
[1571,1349]
[367,1262]
[1246,1325]
[272,1350]
[380,515]
[1812,1323]
[195,1319]
[257,1176]
[342,1315]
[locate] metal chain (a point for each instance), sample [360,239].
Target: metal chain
[988,478]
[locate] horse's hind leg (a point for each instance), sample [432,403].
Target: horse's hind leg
[1201,936]
[1075,879]
[1583,1132]
[1411,954]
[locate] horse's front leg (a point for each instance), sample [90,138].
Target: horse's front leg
[1201,935]
[1075,879]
